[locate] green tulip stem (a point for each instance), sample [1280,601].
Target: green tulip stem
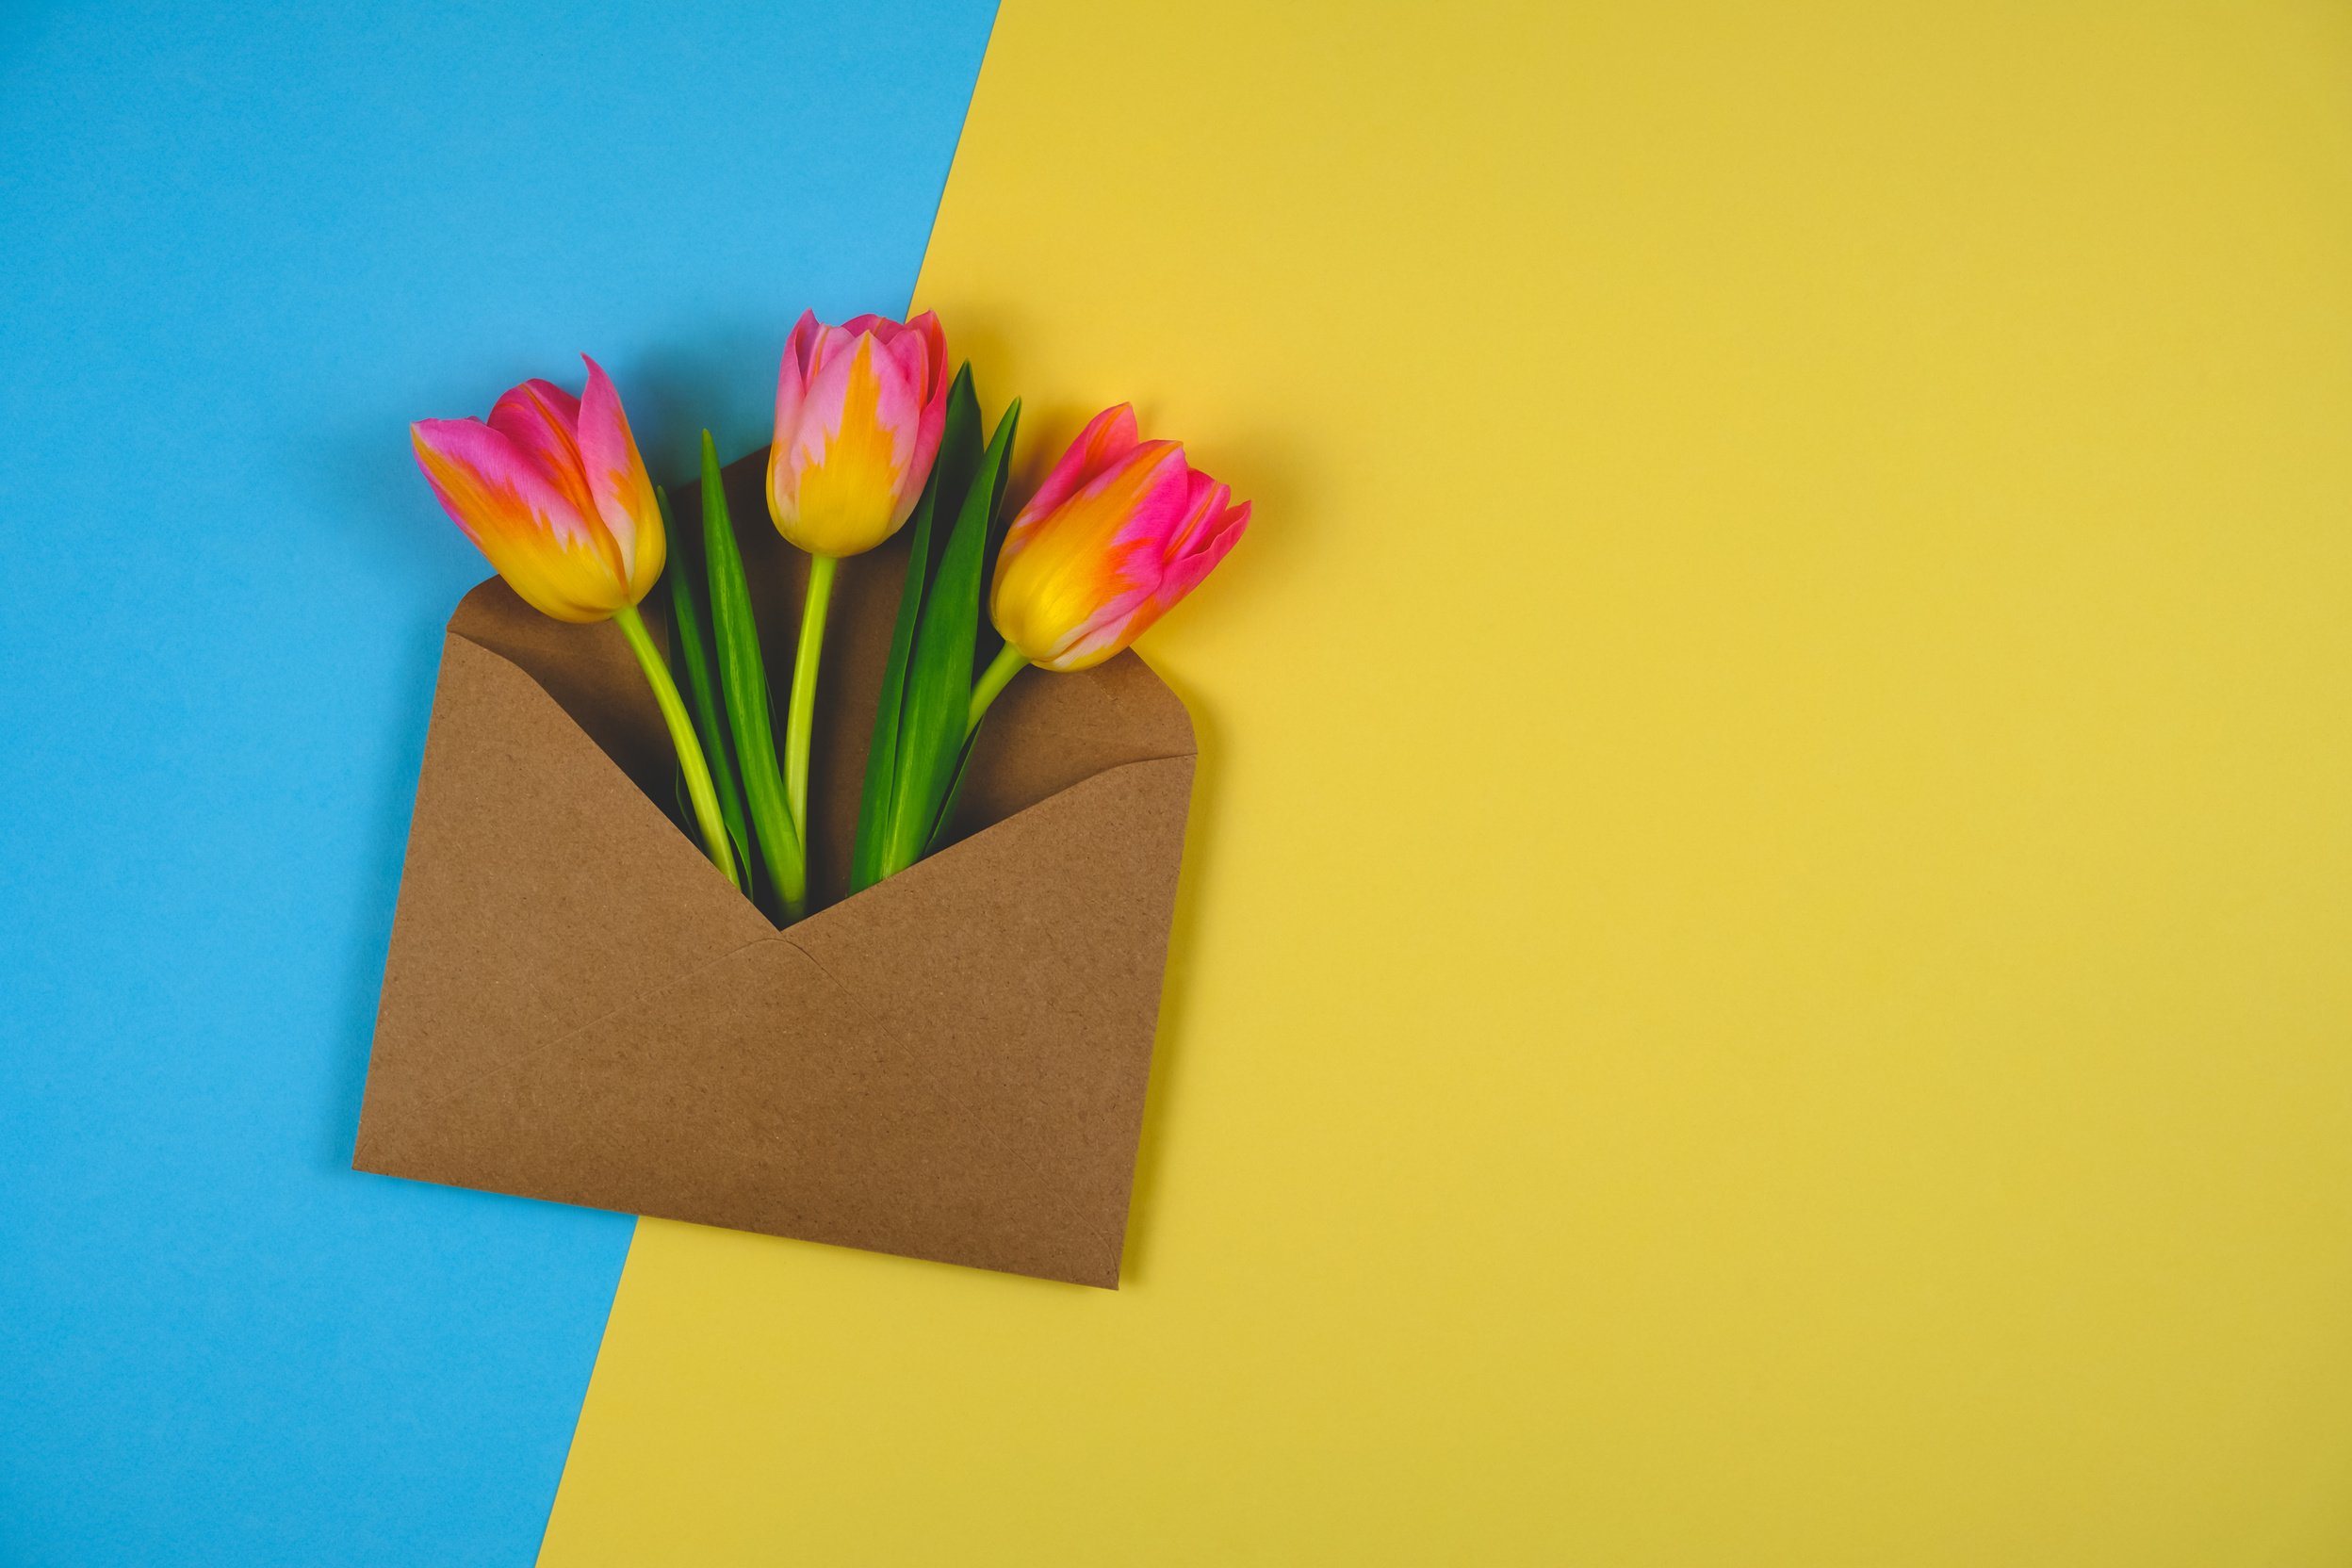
[1007,664]
[804,707]
[690,758]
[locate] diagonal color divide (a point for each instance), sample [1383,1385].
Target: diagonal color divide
[1760,979]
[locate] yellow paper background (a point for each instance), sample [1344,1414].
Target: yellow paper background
[1763,975]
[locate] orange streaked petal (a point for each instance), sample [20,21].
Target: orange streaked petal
[616,481]
[1122,530]
[835,480]
[557,560]
[1108,436]
[543,421]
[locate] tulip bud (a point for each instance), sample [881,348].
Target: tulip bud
[552,491]
[859,412]
[1120,531]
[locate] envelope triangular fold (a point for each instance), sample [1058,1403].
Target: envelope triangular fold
[542,889]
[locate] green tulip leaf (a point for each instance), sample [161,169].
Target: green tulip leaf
[950,477]
[743,685]
[939,682]
[689,647]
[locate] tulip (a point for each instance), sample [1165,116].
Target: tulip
[552,490]
[859,412]
[1120,531]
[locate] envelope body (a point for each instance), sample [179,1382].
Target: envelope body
[949,1064]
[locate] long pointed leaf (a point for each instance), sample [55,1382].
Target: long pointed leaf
[984,648]
[874,805]
[743,684]
[951,476]
[689,647]
[986,645]
[939,685]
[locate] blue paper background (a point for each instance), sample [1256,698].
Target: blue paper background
[241,248]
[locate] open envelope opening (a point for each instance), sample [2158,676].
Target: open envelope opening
[950,1064]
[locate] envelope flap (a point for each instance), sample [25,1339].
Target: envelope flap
[706,1100]
[542,889]
[952,1064]
[1022,968]
[587,671]
[1047,732]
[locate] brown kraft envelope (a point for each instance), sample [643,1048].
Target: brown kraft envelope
[950,1064]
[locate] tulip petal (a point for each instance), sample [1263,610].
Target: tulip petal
[904,355]
[1226,534]
[618,485]
[1108,436]
[849,457]
[1206,502]
[1217,528]
[923,331]
[926,328]
[1073,578]
[562,561]
[543,421]
[917,344]
[826,346]
[1183,574]
[921,415]
[791,380]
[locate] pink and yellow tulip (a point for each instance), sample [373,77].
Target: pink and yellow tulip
[551,489]
[859,412]
[1120,530]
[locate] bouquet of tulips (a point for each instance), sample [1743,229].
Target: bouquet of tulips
[871,436]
